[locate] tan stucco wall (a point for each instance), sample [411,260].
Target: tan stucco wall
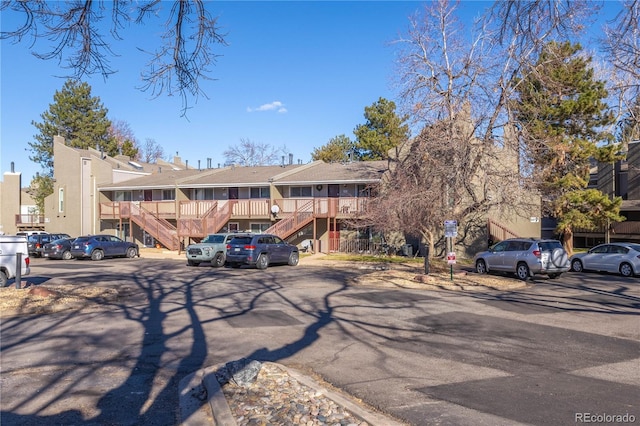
[66,173]
[10,193]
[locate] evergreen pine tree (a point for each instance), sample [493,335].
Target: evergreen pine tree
[562,118]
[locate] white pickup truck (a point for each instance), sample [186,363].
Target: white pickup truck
[10,246]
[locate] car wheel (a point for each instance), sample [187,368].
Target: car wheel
[67,255]
[3,279]
[626,270]
[131,252]
[481,267]
[522,271]
[97,255]
[576,266]
[294,258]
[262,262]
[218,260]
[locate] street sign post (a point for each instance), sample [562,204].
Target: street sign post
[450,228]
[450,232]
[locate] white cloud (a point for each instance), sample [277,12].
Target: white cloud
[275,105]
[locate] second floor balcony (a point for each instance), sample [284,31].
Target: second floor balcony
[343,207]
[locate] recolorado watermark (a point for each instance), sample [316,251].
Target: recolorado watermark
[604,418]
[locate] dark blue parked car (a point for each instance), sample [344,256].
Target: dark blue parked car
[58,249]
[97,247]
[261,250]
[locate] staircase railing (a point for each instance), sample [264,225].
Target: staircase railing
[161,229]
[498,232]
[211,221]
[293,222]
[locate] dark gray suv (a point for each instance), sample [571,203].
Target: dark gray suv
[261,250]
[524,257]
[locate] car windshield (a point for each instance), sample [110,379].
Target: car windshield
[549,245]
[59,241]
[241,240]
[81,239]
[214,239]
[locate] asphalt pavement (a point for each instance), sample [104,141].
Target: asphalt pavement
[556,352]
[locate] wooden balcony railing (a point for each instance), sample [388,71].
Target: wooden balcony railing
[29,220]
[198,218]
[629,228]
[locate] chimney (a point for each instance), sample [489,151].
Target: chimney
[208,163]
[186,164]
[290,159]
[13,167]
[199,165]
[282,161]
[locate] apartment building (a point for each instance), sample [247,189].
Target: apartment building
[621,179]
[172,205]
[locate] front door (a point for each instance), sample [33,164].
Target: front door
[233,193]
[334,237]
[333,191]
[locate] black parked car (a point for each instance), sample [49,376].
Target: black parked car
[261,250]
[58,249]
[36,242]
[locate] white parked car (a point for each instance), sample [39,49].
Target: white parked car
[620,258]
[10,245]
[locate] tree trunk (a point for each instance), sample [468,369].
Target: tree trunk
[567,241]
[427,237]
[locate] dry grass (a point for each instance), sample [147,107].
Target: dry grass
[437,280]
[411,275]
[51,298]
[48,298]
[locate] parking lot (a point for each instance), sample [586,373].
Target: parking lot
[544,354]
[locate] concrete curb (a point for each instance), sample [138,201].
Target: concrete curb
[217,402]
[192,410]
[369,416]
[203,384]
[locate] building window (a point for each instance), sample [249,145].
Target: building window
[122,196]
[61,200]
[233,227]
[202,194]
[363,191]
[259,227]
[262,192]
[300,191]
[168,194]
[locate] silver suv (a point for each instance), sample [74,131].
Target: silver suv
[525,257]
[213,248]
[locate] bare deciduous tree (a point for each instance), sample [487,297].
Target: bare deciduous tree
[151,151]
[121,131]
[250,153]
[80,40]
[622,48]
[465,163]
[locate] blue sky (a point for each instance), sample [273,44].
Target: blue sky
[293,73]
